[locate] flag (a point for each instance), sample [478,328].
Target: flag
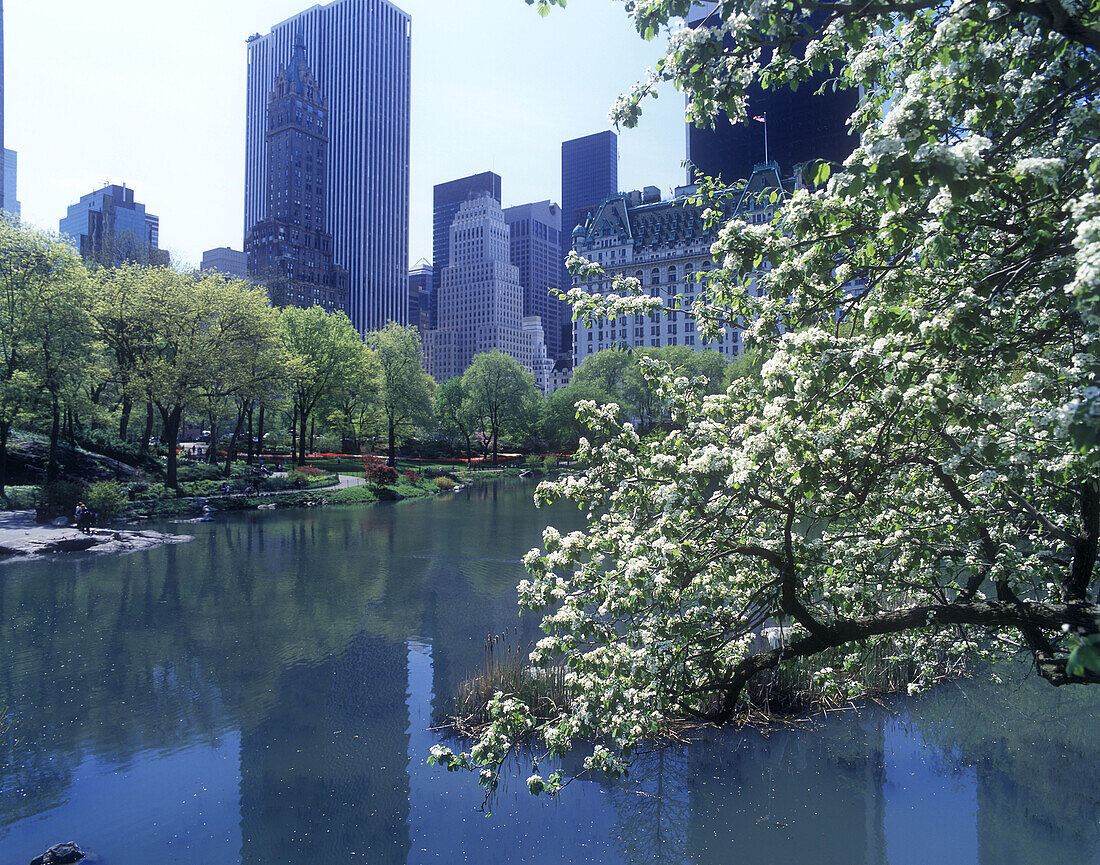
[760,118]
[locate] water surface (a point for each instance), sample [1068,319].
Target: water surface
[266,692]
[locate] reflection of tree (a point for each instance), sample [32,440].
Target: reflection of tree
[1035,754]
[652,809]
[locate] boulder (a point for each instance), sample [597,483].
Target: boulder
[61,522]
[60,854]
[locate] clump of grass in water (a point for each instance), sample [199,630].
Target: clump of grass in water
[508,670]
[790,690]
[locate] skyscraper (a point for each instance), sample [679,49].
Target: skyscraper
[802,126]
[110,227]
[359,53]
[480,299]
[446,199]
[535,231]
[289,250]
[589,176]
[2,198]
[8,197]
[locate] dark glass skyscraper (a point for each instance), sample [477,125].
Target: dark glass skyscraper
[589,176]
[446,199]
[802,127]
[290,251]
[360,53]
[535,236]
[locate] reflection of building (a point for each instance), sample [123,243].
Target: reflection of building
[9,200]
[665,246]
[420,296]
[108,226]
[359,52]
[225,260]
[802,126]
[323,774]
[446,200]
[535,232]
[289,250]
[480,298]
[589,176]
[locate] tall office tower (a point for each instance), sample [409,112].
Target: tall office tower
[589,176]
[535,230]
[289,250]
[109,227]
[480,299]
[3,180]
[225,260]
[801,127]
[420,296]
[446,199]
[8,199]
[359,52]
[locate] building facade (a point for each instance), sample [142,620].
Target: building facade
[289,250]
[420,294]
[802,126]
[447,198]
[109,227]
[480,297]
[225,260]
[589,176]
[359,53]
[535,232]
[9,201]
[666,247]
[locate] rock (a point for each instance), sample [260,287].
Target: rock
[71,545]
[267,507]
[60,854]
[61,522]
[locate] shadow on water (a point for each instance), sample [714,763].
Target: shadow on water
[265,693]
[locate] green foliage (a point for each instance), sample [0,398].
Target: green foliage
[58,498]
[502,394]
[107,499]
[405,391]
[444,483]
[913,470]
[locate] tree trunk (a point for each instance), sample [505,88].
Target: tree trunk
[391,450]
[251,452]
[231,450]
[148,430]
[171,421]
[294,437]
[53,470]
[302,439]
[5,428]
[212,449]
[260,433]
[124,418]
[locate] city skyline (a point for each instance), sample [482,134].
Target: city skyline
[494,87]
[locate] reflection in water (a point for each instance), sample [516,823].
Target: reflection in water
[265,693]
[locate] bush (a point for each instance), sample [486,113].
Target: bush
[377,473]
[444,483]
[411,477]
[57,499]
[106,499]
[534,463]
[198,472]
[549,464]
[309,471]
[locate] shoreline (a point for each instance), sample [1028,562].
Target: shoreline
[21,537]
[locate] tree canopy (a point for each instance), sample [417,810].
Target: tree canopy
[916,467]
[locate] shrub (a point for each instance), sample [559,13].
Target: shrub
[444,483]
[198,472]
[549,464]
[309,471]
[106,499]
[57,499]
[377,473]
[412,477]
[534,463]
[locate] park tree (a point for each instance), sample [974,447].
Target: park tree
[352,407]
[502,392]
[561,427]
[455,413]
[915,469]
[325,355]
[405,390]
[203,335]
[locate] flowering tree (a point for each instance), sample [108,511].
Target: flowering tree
[917,465]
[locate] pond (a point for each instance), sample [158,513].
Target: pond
[266,693]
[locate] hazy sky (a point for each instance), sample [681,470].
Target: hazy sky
[151,94]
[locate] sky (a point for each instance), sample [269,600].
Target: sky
[152,94]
